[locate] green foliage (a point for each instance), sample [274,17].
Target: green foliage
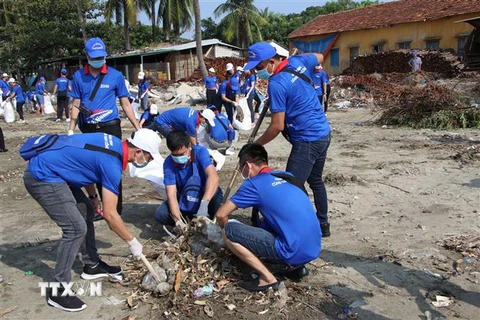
[176,16]
[210,29]
[452,119]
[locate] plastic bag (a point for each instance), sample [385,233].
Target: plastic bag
[48,105]
[9,114]
[153,172]
[244,122]
[135,106]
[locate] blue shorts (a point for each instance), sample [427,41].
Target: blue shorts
[40,99]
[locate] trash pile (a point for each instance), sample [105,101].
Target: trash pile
[444,63]
[469,247]
[468,155]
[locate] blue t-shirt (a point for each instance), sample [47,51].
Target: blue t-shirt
[288,214]
[210,82]
[30,95]
[5,87]
[319,78]
[248,83]
[104,105]
[142,87]
[233,86]
[175,174]
[69,92]
[81,167]
[304,116]
[218,132]
[149,118]
[62,84]
[18,93]
[39,88]
[222,89]
[180,119]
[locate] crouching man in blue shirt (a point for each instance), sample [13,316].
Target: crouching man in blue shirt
[288,230]
[54,178]
[191,183]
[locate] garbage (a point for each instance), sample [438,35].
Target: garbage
[282,294]
[29,272]
[442,301]
[149,283]
[163,288]
[230,306]
[204,291]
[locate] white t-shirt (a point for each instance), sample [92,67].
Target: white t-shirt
[415,62]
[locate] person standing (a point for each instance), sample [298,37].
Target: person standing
[211,85]
[17,94]
[40,92]
[4,86]
[320,81]
[61,89]
[95,90]
[55,178]
[143,88]
[297,113]
[415,62]
[250,83]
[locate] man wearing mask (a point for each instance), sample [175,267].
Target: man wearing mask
[55,178]
[95,90]
[296,112]
[184,162]
[143,88]
[211,86]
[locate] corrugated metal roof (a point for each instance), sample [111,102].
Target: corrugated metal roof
[386,14]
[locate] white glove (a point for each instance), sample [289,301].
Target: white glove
[181,226]
[236,105]
[135,248]
[203,210]
[70,132]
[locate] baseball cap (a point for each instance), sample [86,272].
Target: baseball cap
[11,80]
[63,71]
[209,115]
[148,141]
[154,109]
[239,68]
[258,52]
[415,52]
[95,48]
[4,75]
[229,66]
[211,70]
[42,79]
[141,75]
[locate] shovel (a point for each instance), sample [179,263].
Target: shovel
[150,268]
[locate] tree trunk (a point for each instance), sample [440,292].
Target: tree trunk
[80,20]
[154,22]
[198,37]
[126,30]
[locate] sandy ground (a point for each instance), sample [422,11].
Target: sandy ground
[393,194]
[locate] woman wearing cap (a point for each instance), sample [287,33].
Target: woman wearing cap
[143,88]
[17,93]
[40,91]
[211,85]
[148,116]
[61,89]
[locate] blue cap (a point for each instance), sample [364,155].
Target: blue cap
[63,71]
[42,79]
[415,52]
[95,48]
[258,52]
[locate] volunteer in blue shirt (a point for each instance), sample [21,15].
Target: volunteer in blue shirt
[320,81]
[185,161]
[179,119]
[148,117]
[54,178]
[220,135]
[4,86]
[287,232]
[99,109]
[297,113]
[61,89]
[211,85]
[143,88]
[31,100]
[17,93]
[40,92]
[250,83]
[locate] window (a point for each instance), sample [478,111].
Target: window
[462,41]
[378,48]
[353,53]
[432,44]
[334,58]
[404,45]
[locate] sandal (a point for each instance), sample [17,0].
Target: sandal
[255,287]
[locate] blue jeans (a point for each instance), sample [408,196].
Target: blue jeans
[40,99]
[306,162]
[164,129]
[162,215]
[257,240]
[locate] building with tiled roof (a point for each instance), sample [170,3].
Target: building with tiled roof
[404,24]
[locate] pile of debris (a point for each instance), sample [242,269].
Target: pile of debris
[219,64]
[444,63]
[469,248]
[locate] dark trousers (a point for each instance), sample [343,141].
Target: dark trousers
[306,163]
[114,130]
[2,140]
[62,103]
[258,101]
[250,106]
[20,109]
[211,96]
[325,107]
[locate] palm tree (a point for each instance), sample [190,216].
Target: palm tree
[176,16]
[241,23]
[198,37]
[125,8]
[80,7]
[149,7]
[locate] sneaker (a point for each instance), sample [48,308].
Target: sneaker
[21,121]
[67,303]
[58,120]
[229,151]
[67,120]
[325,229]
[101,270]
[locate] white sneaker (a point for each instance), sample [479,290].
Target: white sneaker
[67,120]
[229,152]
[21,121]
[58,120]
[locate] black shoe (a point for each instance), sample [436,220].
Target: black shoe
[325,229]
[3,150]
[67,303]
[101,270]
[296,274]
[253,286]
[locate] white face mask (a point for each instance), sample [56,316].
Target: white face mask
[241,172]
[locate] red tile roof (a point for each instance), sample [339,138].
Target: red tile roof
[386,14]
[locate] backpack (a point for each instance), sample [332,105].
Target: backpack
[192,192]
[48,142]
